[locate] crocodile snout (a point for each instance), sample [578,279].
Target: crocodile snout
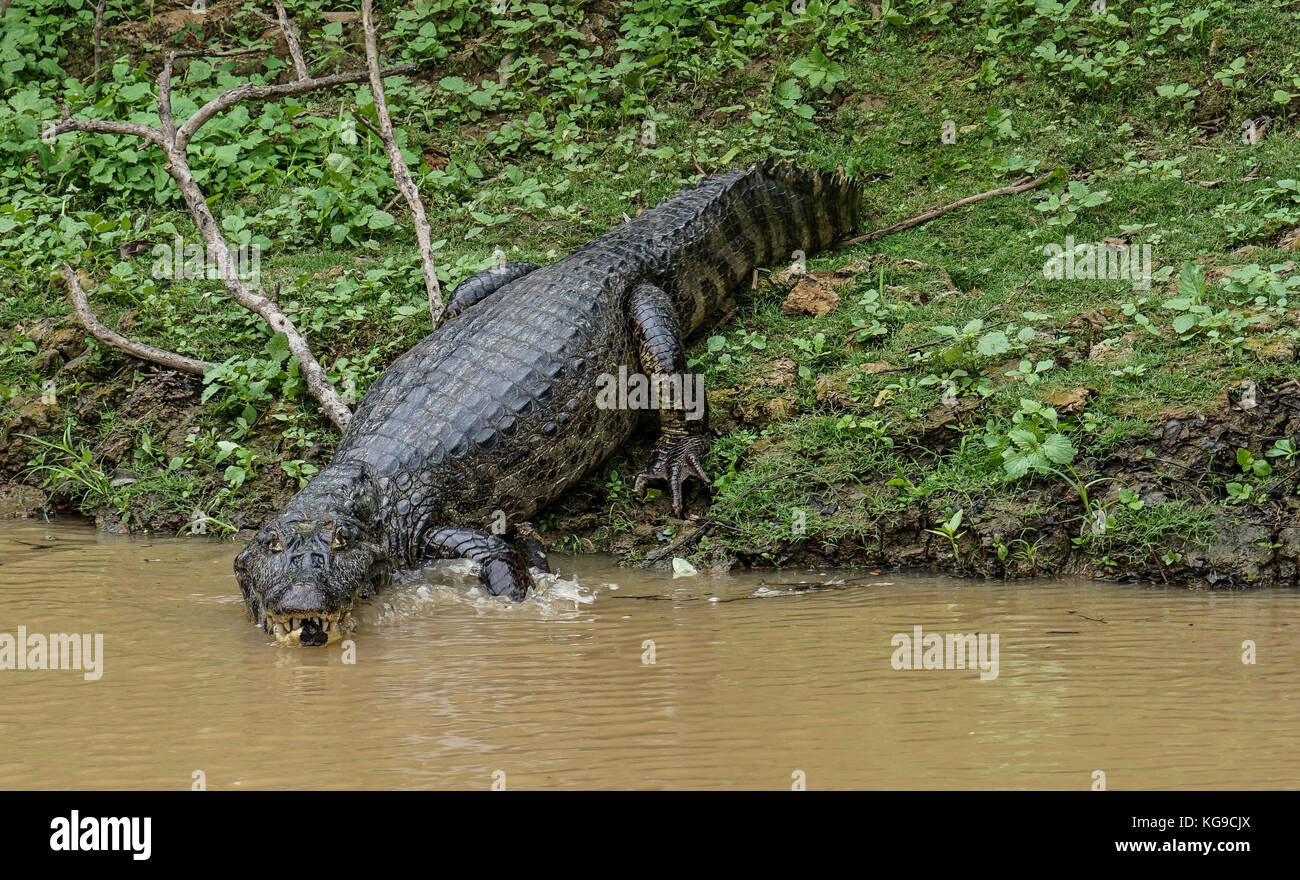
[298,600]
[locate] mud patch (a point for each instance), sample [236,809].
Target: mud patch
[17,500]
[1193,529]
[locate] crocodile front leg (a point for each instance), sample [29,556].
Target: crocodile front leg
[502,568]
[684,436]
[481,285]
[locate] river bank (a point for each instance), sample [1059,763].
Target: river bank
[1158,509]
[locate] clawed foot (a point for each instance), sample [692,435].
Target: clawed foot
[675,460]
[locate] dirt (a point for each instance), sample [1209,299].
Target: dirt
[112,405]
[19,501]
[811,297]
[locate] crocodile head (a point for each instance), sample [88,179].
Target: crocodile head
[303,573]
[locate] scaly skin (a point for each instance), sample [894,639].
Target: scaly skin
[493,415]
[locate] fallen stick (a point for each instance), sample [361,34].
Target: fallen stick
[1022,185]
[142,350]
[172,140]
[291,39]
[99,32]
[401,174]
[253,92]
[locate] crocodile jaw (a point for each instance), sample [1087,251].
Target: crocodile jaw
[320,630]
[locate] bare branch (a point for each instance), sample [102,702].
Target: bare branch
[217,53]
[113,339]
[172,140]
[106,126]
[295,51]
[99,31]
[1019,186]
[367,123]
[314,376]
[254,92]
[165,99]
[401,174]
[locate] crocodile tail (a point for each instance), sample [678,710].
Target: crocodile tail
[806,210]
[709,238]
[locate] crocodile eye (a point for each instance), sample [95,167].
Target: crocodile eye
[340,541]
[274,544]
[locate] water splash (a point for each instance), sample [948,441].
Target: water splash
[452,586]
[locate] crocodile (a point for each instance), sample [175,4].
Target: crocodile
[499,410]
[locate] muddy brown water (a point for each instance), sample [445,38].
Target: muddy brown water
[754,684]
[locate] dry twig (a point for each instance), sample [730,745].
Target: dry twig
[1019,186]
[110,337]
[295,51]
[401,174]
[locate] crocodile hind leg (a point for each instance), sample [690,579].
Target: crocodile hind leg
[480,286]
[503,571]
[684,431]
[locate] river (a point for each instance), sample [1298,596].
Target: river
[615,677]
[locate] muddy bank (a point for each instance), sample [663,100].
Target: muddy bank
[1185,466]
[131,423]
[1187,463]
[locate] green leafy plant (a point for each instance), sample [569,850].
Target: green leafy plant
[1064,208]
[1035,443]
[1251,466]
[1284,448]
[951,529]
